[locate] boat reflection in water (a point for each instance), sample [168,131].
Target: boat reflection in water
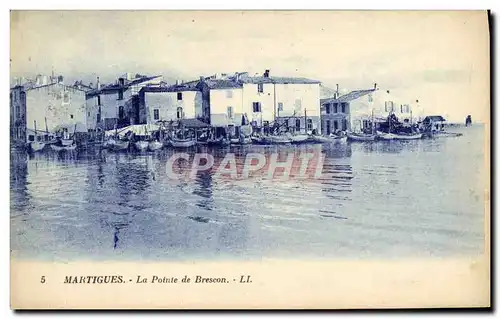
[371,200]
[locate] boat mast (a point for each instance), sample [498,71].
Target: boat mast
[35,128]
[305,121]
[373,124]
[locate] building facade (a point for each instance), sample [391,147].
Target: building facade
[18,114]
[169,104]
[335,115]
[374,105]
[50,107]
[117,104]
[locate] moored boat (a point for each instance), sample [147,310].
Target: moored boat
[119,145]
[66,142]
[61,148]
[339,139]
[188,142]
[361,137]
[37,146]
[386,136]
[277,139]
[416,136]
[302,138]
[155,145]
[141,145]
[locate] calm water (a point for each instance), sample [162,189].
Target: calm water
[386,199]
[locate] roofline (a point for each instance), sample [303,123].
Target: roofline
[46,85]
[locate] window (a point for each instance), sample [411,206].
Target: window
[230,112]
[156,114]
[328,127]
[46,138]
[120,95]
[334,108]
[121,112]
[179,96]
[335,125]
[298,106]
[31,138]
[344,125]
[327,108]
[66,97]
[71,116]
[98,117]
[180,114]
[309,124]
[229,94]
[297,124]
[256,107]
[98,100]
[260,88]
[389,106]
[280,107]
[88,114]
[343,106]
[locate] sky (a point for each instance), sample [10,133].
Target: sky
[440,58]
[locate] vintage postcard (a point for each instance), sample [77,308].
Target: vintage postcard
[249,159]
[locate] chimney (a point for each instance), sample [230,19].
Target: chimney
[375,86]
[237,77]
[176,82]
[202,78]
[266,74]
[98,84]
[337,91]
[60,79]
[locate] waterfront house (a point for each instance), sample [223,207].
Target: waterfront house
[293,102]
[377,104]
[170,103]
[335,114]
[47,104]
[117,104]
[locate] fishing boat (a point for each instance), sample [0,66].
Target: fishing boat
[297,139]
[416,136]
[361,137]
[155,145]
[339,139]
[241,141]
[62,148]
[183,142]
[141,145]
[386,136]
[37,146]
[109,143]
[277,139]
[67,141]
[119,145]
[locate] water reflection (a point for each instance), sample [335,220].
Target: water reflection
[371,199]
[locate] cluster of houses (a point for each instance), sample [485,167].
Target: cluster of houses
[229,101]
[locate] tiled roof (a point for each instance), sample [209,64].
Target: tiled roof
[277,80]
[143,79]
[50,84]
[353,95]
[175,88]
[223,84]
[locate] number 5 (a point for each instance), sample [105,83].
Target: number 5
[42,280]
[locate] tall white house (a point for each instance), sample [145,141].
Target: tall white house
[260,100]
[376,104]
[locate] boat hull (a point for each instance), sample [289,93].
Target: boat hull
[119,146]
[183,143]
[408,137]
[141,145]
[64,148]
[297,139]
[153,146]
[37,146]
[361,138]
[66,142]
